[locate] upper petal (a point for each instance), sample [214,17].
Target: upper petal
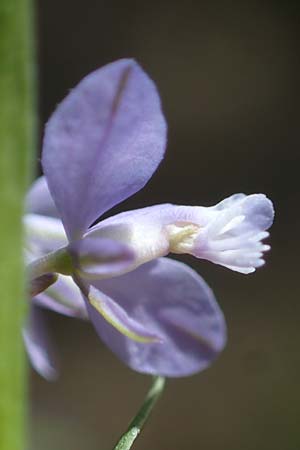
[103,143]
[173,302]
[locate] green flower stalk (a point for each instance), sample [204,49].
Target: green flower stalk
[135,427]
[16,145]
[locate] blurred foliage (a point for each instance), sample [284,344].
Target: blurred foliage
[16,146]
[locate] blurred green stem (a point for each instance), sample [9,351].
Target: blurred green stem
[127,439]
[16,146]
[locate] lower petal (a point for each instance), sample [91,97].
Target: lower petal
[101,306]
[38,344]
[63,297]
[173,302]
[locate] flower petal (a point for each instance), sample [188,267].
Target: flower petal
[142,230]
[103,143]
[100,305]
[43,234]
[173,302]
[39,201]
[63,297]
[233,237]
[99,257]
[229,234]
[38,344]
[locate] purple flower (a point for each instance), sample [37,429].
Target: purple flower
[101,145]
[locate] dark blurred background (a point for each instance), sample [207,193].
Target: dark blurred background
[228,75]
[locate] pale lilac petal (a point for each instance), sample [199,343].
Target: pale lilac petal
[39,201]
[103,143]
[259,212]
[100,257]
[228,202]
[39,345]
[142,230]
[63,297]
[229,234]
[43,234]
[114,314]
[172,301]
[233,238]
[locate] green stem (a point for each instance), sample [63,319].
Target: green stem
[16,146]
[127,439]
[57,261]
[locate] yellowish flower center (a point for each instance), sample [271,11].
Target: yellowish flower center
[182,236]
